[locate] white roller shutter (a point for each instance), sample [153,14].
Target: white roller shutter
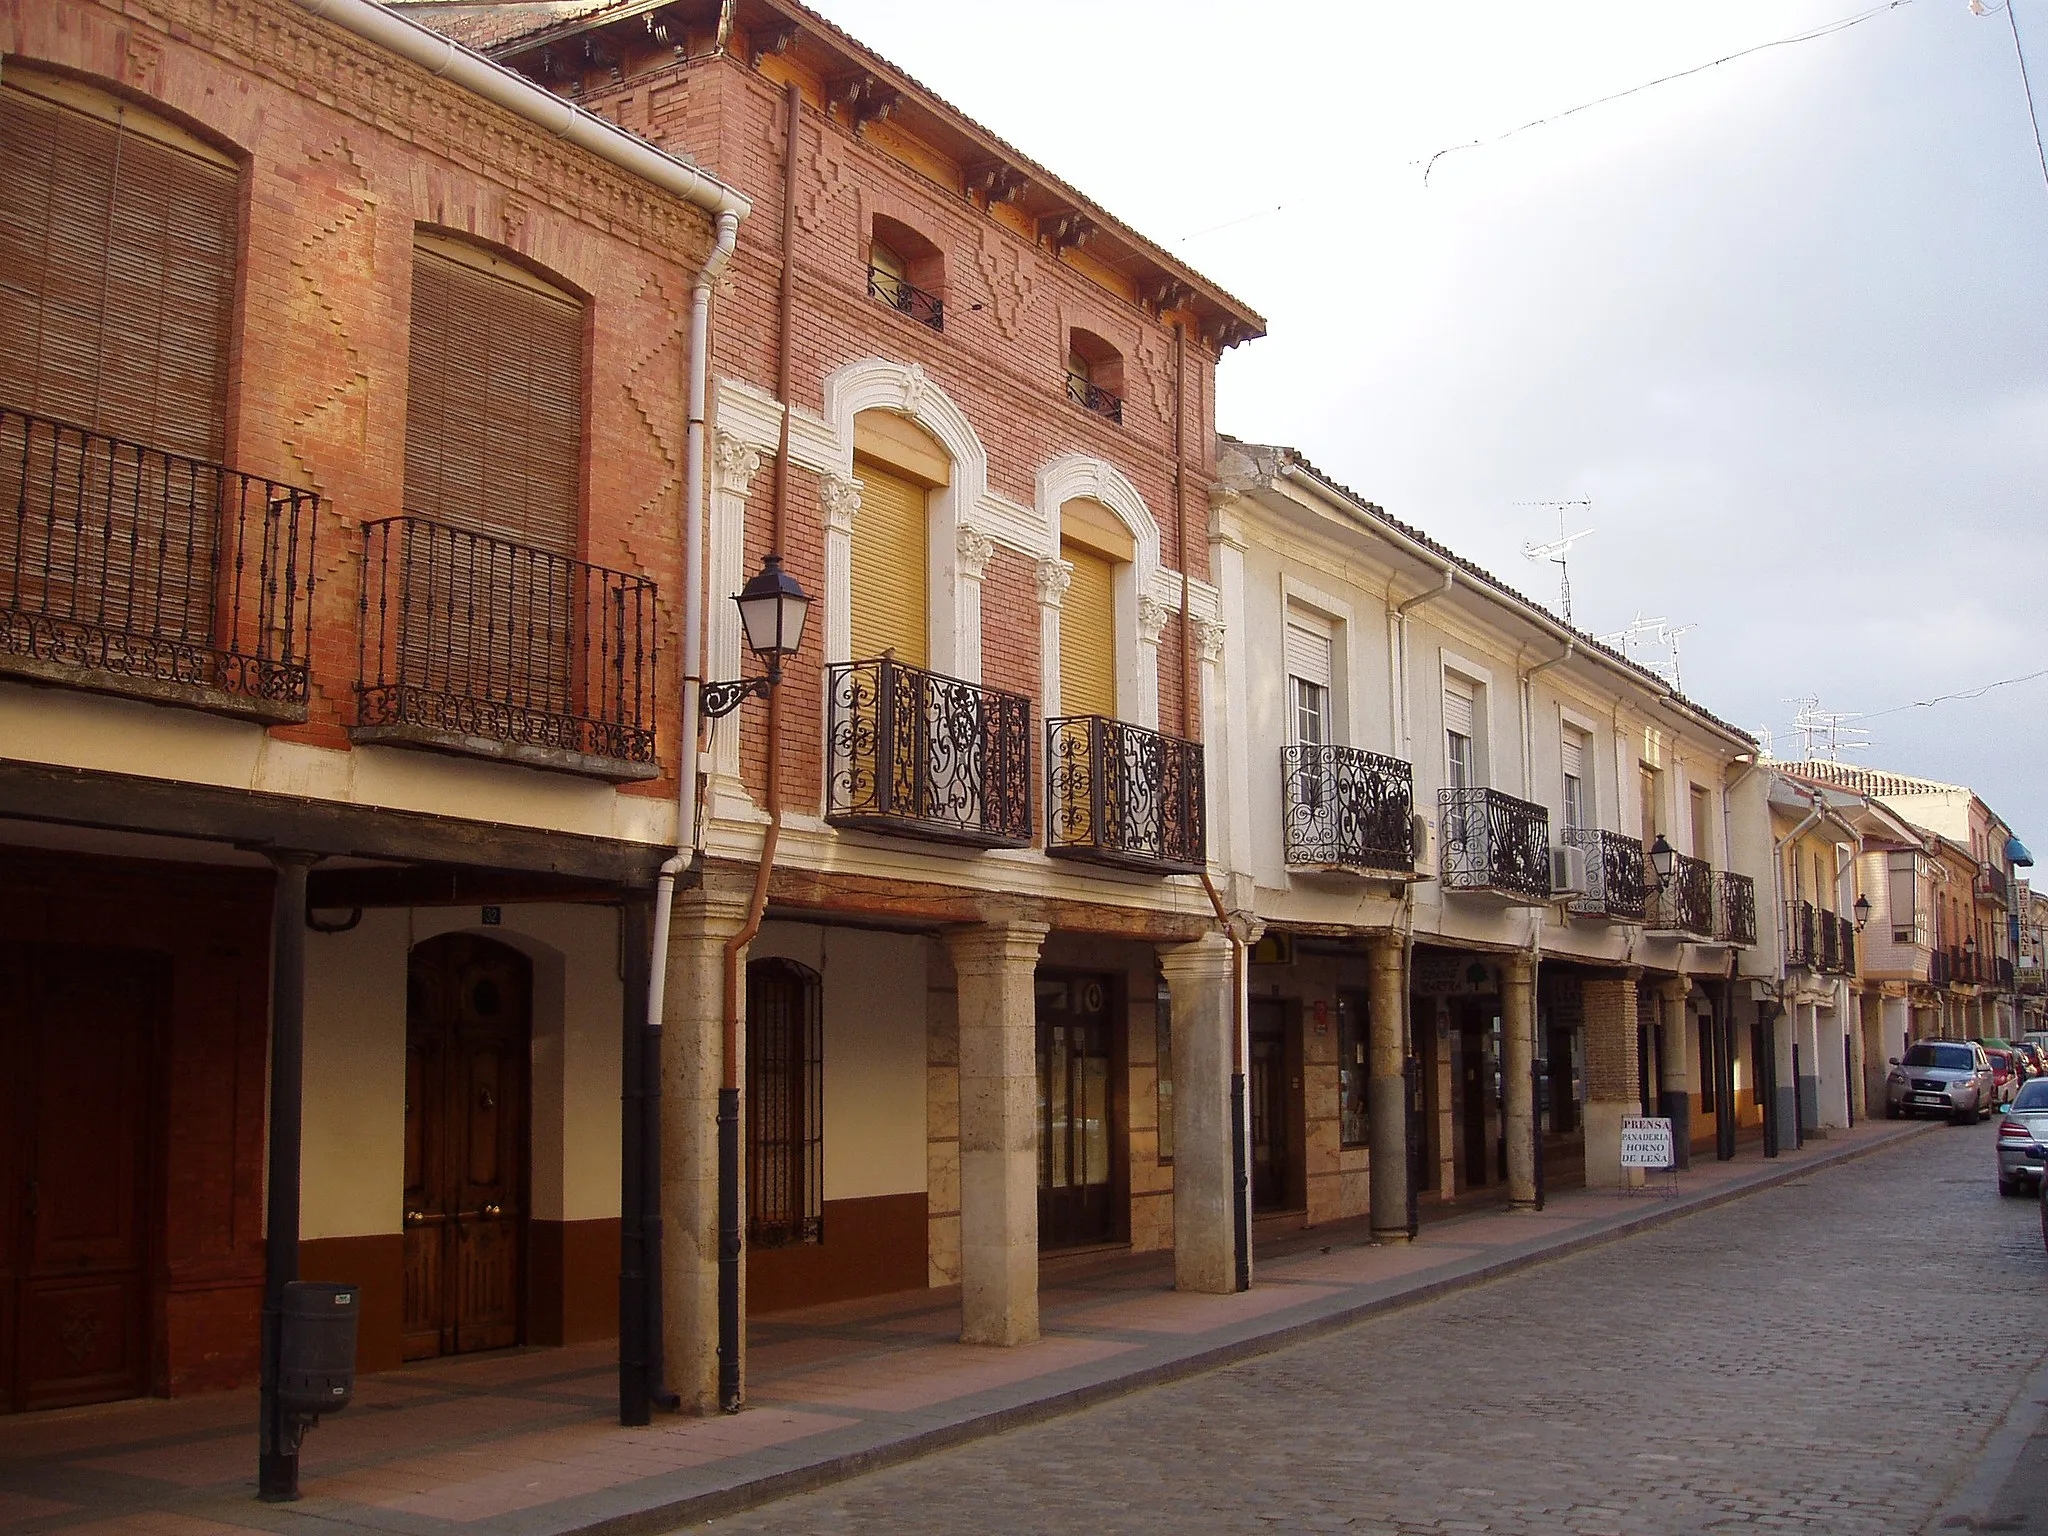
[1460,706]
[1574,754]
[1308,648]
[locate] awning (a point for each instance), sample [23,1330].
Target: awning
[2016,853]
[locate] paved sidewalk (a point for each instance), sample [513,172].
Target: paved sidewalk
[525,1441]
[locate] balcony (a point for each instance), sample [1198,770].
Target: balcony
[1938,968]
[1836,939]
[1093,397]
[1614,875]
[1991,885]
[1802,936]
[1347,809]
[1734,909]
[477,645]
[1496,844]
[2002,975]
[925,308]
[126,569]
[921,755]
[1124,796]
[1961,966]
[1684,906]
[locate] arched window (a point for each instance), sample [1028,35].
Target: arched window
[785,1105]
[907,272]
[899,465]
[1095,374]
[1099,549]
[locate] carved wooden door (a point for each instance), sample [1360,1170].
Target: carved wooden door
[75,1032]
[468,1022]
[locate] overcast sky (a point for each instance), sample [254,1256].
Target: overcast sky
[1784,322]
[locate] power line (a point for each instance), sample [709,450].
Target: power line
[2027,85]
[1945,698]
[1827,29]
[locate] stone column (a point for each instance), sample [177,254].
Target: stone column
[994,964]
[1613,1082]
[692,1071]
[1198,983]
[1808,1016]
[1518,1087]
[1680,1054]
[1386,1090]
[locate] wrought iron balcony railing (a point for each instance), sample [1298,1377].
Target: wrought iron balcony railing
[1093,397]
[1734,908]
[1121,795]
[1962,966]
[923,307]
[1614,874]
[1802,941]
[1684,905]
[475,644]
[2004,972]
[1830,934]
[1494,842]
[1348,809]
[1938,968]
[127,569]
[917,753]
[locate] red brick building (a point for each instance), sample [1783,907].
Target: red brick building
[991,822]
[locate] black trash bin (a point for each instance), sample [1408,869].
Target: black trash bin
[316,1354]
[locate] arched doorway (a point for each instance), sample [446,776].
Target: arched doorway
[468,1033]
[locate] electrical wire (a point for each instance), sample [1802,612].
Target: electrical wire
[2027,85]
[1827,29]
[1944,698]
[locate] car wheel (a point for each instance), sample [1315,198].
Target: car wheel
[1891,1111]
[1962,1117]
[2008,1186]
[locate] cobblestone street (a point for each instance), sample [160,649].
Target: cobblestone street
[1830,1355]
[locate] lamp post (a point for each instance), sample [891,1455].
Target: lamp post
[773,607]
[1663,860]
[1862,911]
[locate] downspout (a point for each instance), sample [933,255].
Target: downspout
[1399,624]
[1528,702]
[1180,515]
[731,1234]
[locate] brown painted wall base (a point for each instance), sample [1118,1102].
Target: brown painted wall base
[572,1281]
[377,1264]
[871,1246]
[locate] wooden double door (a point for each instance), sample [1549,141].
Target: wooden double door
[468,1031]
[77,1030]
[1279,1153]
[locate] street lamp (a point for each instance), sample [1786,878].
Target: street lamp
[1663,860]
[772,607]
[1862,911]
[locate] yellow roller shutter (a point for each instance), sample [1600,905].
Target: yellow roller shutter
[1088,635]
[889,572]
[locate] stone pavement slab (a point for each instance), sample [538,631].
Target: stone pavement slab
[524,1442]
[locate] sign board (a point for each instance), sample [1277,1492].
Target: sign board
[1438,974]
[1646,1143]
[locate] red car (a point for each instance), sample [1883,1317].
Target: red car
[2006,1075]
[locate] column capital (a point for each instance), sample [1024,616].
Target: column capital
[716,907]
[1000,943]
[1206,959]
[1518,967]
[1674,989]
[1384,949]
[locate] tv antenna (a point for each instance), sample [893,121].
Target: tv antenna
[1644,633]
[1556,550]
[1825,734]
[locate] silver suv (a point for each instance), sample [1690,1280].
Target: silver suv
[1940,1077]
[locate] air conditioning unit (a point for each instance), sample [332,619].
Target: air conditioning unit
[1422,832]
[1567,871]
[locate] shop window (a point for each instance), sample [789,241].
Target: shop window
[1354,1128]
[785,1105]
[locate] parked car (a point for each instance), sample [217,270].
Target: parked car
[2036,1056]
[2006,1074]
[2023,1139]
[1940,1077]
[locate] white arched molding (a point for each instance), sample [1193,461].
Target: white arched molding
[734,464]
[876,383]
[1140,609]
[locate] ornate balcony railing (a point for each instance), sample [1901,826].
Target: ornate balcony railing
[1938,968]
[1614,874]
[2004,972]
[1348,808]
[917,753]
[127,569]
[1830,935]
[1802,942]
[1093,397]
[925,308]
[470,643]
[1962,966]
[1992,885]
[1121,795]
[1734,908]
[1685,903]
[1494,842]
[1845,945]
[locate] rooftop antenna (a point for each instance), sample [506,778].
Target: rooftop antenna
[1825,734]
[1556,550]
[1638,630]
[1671,639]
[1763,744]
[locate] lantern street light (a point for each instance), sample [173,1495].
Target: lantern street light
[1862,911]
[772,607]
[1663,860]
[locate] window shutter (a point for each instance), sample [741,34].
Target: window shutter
[1575,754]
[890,580]
[1088,635]
[494,405]
[1459,706]
[1308,644]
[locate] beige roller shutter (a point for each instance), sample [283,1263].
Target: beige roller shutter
[1088,635]
[1308,646]
[1459,701]
[890,576]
